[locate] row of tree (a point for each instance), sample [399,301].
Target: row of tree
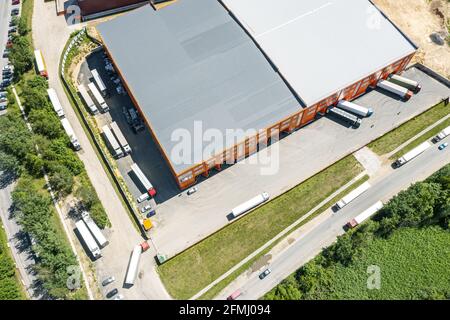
[9,286]
[423,204]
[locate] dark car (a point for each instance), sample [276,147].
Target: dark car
[14,12]
[108,280]
[112,293]
[265,273]
[15,2]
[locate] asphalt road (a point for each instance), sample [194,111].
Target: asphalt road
[325,233]
[5,9]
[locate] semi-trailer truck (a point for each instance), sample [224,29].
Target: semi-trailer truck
[143,179]
[133,265]
[120,138]
[393,88]
[346,116]
[112,142]
[352,195]
[412,85]
[250,204]
[443,134]
[40,64]
[98,97]
[88,240]
[99,82]
[365,215]
[69,131]
[55,102]
[412,154]
[354,108]
[94,229]
[87,99]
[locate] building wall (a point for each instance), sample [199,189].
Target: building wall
[89,7]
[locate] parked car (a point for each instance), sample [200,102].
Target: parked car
[3,99]
[234,295]
[118,297]
[146,208]
[112,293]
[14,12]
[6,53]
[265,273]
[15,2]
[192,191]
[9,44]
[151,214]
[443,146]
[108,280]
[3,105]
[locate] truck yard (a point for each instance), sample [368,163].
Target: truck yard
[193,217]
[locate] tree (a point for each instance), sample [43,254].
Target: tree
[9,163]
[45,123]
[22,26]
[34,165]
[34,99]
[21,55]
[61,180]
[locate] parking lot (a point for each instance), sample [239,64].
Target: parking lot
[183,220]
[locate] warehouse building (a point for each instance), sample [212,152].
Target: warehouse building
[247,64]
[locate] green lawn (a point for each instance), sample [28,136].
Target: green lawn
[425,137]
[413,262]
[214,291]
[397,137]
[10,286]
[194,269]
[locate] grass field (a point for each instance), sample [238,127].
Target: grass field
[397,137]
[425,137]
[413,263]
[194,269]
[214,291]
[10,286]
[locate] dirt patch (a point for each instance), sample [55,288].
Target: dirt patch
[261,262]
[419,19]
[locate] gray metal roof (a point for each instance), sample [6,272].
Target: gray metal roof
[322,46]
[192,62]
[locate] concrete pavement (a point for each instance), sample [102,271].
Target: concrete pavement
[323,230]
[122,236]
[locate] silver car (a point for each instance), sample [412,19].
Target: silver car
[108,280]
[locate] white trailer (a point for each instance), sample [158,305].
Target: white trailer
[40,64]
[365,215]
[69,131]
[116,150]
[346,116]
[94,229]
[395,89]
[354,108]
[250,204]
[443,134]
[405,82]
[88,239]
[87,99]
[413,154]
[353,195]
[133,266]
[55,102]
[99,82]
[143,179]
[98,97]
[120,137]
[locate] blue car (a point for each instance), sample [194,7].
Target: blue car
[443,146]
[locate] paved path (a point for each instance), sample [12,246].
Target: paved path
[123,236]
[328,226]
